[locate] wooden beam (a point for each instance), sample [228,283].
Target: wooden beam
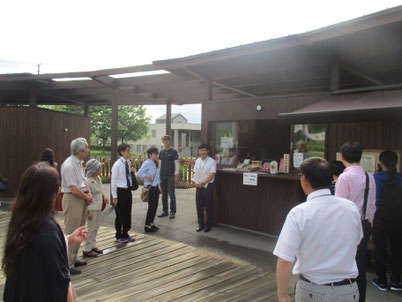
[106,81]
[201,78]
[62,98]
[233,89]
[361,75]
[82,74]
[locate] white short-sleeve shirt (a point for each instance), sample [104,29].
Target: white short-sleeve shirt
[205,167]
[72,174]
[322,236]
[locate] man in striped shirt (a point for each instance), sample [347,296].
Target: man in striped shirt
[321,235]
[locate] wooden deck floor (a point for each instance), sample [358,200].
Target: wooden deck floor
[154,269]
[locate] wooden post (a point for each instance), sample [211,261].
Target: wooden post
[169,118]
[115,108]
[32,98]
[208,91]
[208,98]
[86,110]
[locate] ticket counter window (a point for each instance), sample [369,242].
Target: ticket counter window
[308,141]
[226,143]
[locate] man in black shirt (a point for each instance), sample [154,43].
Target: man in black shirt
[169,175]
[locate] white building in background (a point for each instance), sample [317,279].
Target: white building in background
[186,137]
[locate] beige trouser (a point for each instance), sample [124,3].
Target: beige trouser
[74,210]
[93,226]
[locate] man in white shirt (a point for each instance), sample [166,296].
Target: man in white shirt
[76,198]
[322,236]
[121,192]
[204,176]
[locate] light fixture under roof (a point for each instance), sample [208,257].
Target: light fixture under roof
[139,74]
[72,79]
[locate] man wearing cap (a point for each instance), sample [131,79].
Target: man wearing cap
[169,175]
[76,198]
[321,235]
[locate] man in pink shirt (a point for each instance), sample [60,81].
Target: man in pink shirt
[351,185]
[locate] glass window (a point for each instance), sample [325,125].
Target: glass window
[226,143]
[308,141]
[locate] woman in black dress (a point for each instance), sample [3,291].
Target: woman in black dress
[35,254]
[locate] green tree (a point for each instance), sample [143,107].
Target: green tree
[101,123]
[133,124]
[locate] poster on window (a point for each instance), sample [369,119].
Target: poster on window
[297,159]
[226,142]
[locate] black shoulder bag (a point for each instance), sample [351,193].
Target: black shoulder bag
[134,185]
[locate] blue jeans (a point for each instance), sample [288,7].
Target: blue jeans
[167,186]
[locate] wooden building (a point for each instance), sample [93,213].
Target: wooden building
[342,82]
[345,80]
[27,131]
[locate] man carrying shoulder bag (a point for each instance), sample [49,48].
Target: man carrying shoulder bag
[358,186]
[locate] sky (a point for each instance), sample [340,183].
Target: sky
[65,36]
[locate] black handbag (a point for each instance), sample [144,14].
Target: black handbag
[134,185]
[3,185]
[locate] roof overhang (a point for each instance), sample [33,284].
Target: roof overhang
[351,55]
[381,105]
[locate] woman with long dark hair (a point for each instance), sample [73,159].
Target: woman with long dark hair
[388,221]
[149,171]
[35,254]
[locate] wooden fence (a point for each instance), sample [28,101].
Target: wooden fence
[186,167]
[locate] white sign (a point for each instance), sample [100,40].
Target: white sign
[250,179]
[297,159]
[227,142]
[368,162]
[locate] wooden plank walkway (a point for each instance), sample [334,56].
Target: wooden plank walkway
[154,269]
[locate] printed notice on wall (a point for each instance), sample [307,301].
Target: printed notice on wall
[250,179]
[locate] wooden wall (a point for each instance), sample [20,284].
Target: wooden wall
[262,208]
[371,135]
[26,131]
[246,110]
[385,134]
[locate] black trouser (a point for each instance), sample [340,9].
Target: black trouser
[381,234]
[123,212]
[203,198]
[167,186]
[361,262]
[152,205]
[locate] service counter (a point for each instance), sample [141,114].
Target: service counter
[262,208]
